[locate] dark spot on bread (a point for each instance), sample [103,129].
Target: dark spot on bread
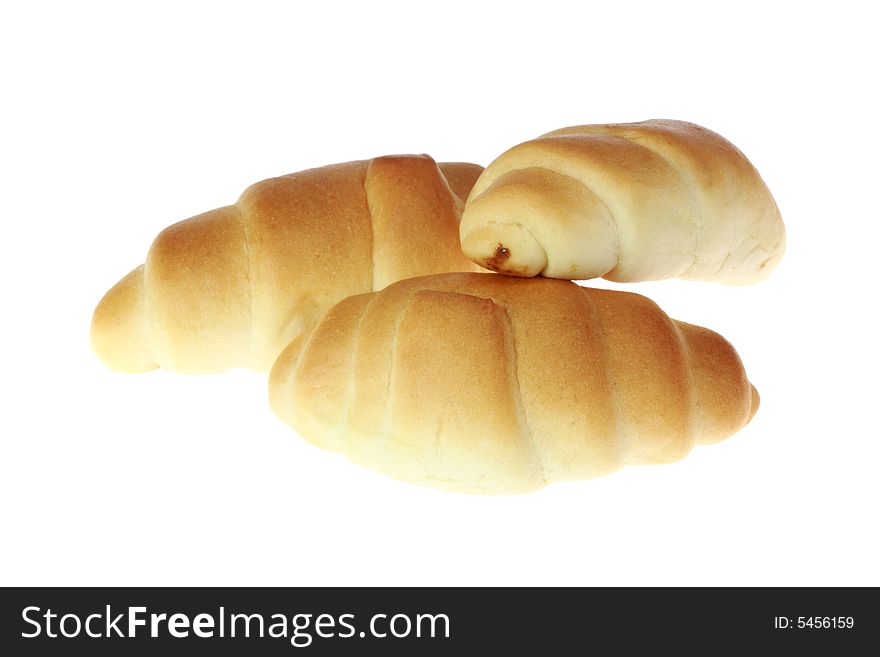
[498,261]
[501,255]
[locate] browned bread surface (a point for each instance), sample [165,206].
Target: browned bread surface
[629,202]
[231,287]
[485,383]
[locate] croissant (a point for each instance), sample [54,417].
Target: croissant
[232,287]
[493,384]
[628,202]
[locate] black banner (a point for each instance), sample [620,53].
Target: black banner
[338,621]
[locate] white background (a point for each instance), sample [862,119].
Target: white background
[117,121]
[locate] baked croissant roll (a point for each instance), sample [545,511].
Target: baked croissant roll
[493,384]
[232,287]
[628,202]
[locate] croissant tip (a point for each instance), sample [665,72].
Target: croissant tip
[517,253]
[117,331]
[756,402]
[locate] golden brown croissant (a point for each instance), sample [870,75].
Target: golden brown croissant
[231,287]
[630,202]
[487,383]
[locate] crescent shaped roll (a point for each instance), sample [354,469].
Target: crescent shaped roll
[627,202]
[232,287]
[493,384]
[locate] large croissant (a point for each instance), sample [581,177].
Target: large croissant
[487,383]
[232,287]
[630,202]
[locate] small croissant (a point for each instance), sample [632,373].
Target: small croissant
[627,202]
[232,287]
[493,384]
